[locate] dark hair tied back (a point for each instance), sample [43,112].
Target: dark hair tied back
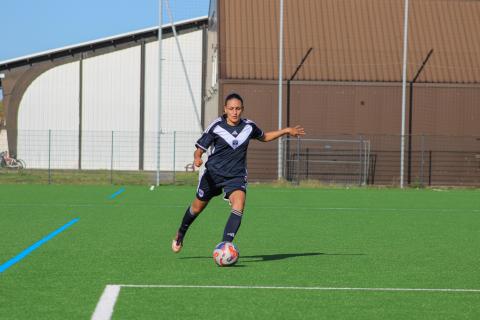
[233,96]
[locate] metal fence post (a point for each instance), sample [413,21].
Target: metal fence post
[360,156]
[49,155]
[430,168]
[174,151]
[286,169]
[298,160]
[422,159]
[283,173]
[307,163]
[364,159]
[364,150]
[111,160]
[368,161]
[158,156]
[366,145]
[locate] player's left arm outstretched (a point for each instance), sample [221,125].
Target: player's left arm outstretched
[291,131]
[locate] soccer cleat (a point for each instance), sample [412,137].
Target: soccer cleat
[177,244]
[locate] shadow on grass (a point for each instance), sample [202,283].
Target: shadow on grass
[282,256]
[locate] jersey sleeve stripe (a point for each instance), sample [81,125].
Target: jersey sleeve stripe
[213,124]
[201,147]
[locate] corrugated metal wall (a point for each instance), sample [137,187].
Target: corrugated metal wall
[350,84]
[111,97]
[51,102]
[111,102]
[372,112]
[176,101]
[111,91]
[177,107]
[352,40]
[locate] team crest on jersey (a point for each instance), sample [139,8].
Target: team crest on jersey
[234,141]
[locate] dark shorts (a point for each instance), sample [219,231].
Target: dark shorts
[211,185]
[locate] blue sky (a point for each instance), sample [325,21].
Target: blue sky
[31,26]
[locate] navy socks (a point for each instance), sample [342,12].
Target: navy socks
[233,224]
[231,228]
[188,219]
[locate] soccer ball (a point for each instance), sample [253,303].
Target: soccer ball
[225,254]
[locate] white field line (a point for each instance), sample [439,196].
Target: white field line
[256,207]
[104,309]
[296,288]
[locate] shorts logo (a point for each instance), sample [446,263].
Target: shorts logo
[200,192]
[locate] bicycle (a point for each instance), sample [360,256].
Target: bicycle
[6,161]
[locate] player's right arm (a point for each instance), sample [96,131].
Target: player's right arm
[197,157]
[204,143]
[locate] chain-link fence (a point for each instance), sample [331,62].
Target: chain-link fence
[375,160]
[52,156]
[118,157]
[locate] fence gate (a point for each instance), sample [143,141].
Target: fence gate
[326,160]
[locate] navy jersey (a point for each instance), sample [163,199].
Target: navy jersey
[228,153]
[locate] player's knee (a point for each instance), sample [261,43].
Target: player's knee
[197,207]
[238,203]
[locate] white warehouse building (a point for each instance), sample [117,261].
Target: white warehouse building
[95,105]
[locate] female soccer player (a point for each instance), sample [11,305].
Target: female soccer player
[228,137]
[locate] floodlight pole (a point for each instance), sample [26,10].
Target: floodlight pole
[280,83]
[404,89]
[159,89]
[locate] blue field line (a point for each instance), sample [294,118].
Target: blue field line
[117,193]
[34,246]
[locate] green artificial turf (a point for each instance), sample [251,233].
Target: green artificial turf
[290,237]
